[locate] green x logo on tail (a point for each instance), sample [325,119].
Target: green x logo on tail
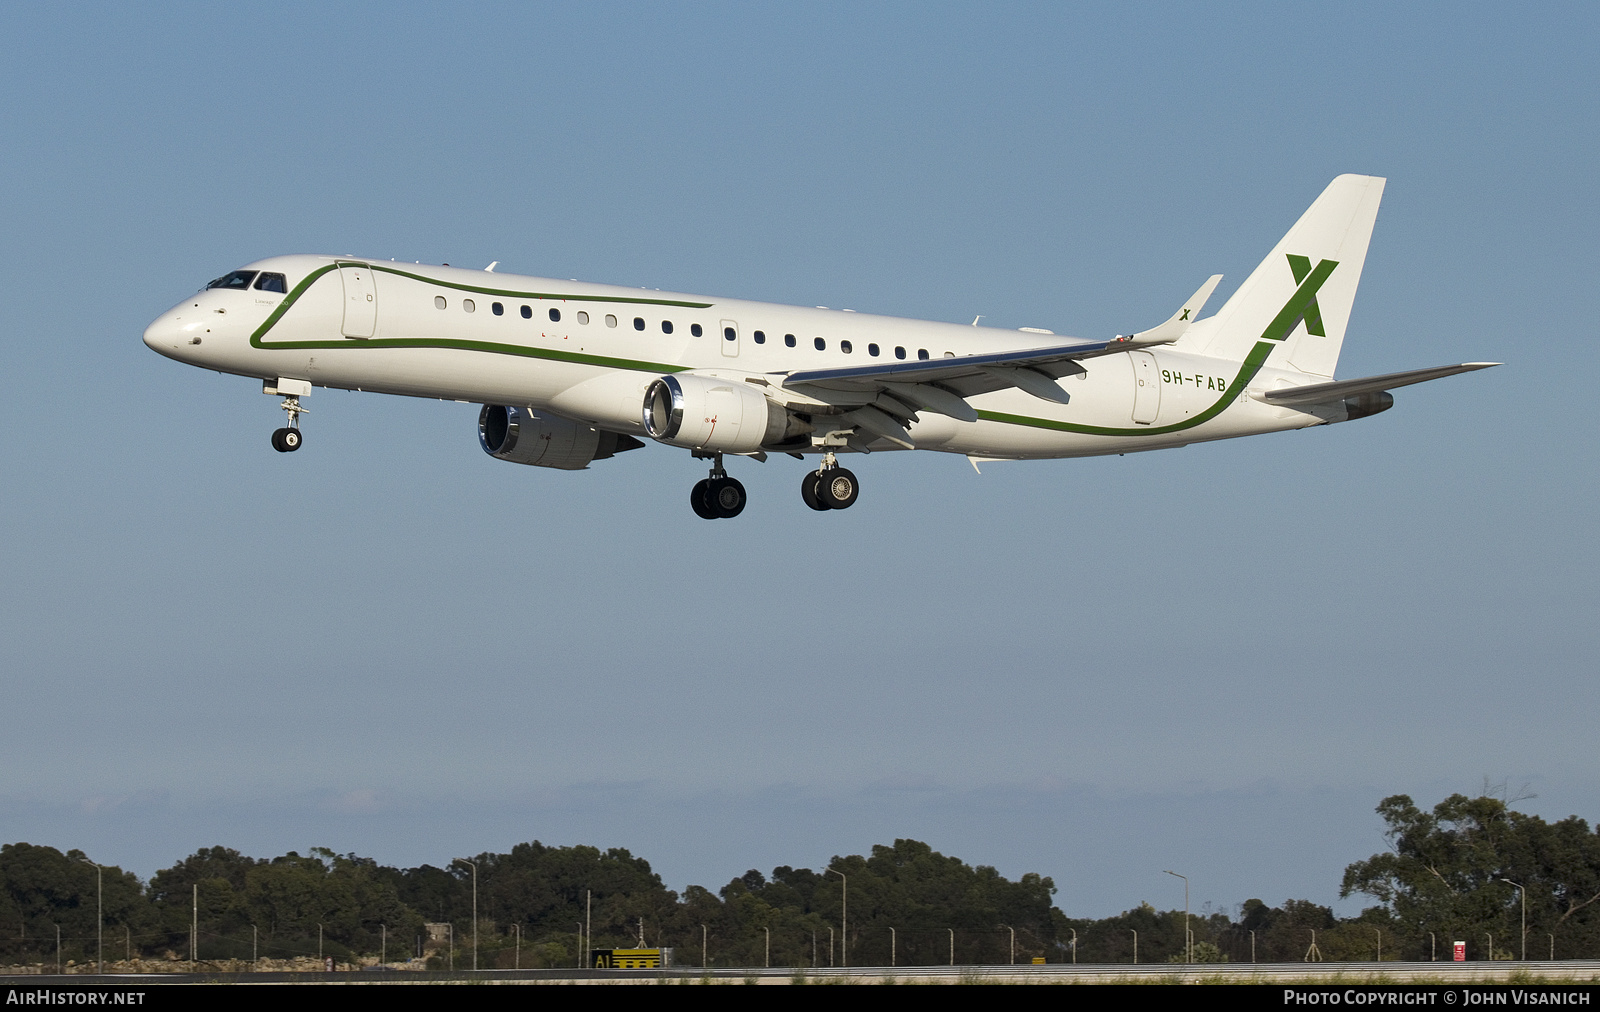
[1302,305]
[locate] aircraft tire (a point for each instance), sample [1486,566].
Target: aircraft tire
[808,491]
[838,489]
[291,439]
[726,497]
[277,441]
[699,502]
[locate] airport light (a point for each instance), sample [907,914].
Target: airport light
[844,910]
[100,917]
[1188,940]
[474,911]
[1524,893]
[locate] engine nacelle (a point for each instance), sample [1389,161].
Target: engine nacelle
[522,437]
[707,413]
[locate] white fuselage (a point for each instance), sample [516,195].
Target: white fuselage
[588,352]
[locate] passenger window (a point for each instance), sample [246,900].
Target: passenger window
[638,323]
[527,312]
[666,326]
[583,318]
[729,334]
[922,354]
[272,283]
[694,328]
[821,344]
[238,279]
[788,339]
[899,352]
[555,316]
[611,321]
[759,337]
[949,354]
[845,347]
[439,302]
[499,310]
[872,350]
[469,305]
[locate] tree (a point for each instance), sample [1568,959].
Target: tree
[1447,873]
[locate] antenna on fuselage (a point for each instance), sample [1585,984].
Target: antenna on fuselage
[975,319]
[492,266]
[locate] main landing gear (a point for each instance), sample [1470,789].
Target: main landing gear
[718,497]
[830,487]
[287,439]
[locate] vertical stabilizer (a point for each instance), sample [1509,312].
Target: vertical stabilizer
[1301,294]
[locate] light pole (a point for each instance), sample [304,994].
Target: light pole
[1135,946]
[1013,942]
[1074,945]
[383,944]
[1524,893]
[474,910]
[844,920]
[100,917]
[952,946]
[705,959]
[892,945]
[255,947]
[769,947]
[1188,956]
[517,962]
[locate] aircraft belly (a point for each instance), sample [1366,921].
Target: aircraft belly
[446,373]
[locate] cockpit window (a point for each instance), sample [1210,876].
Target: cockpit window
[272,283]
[238,279]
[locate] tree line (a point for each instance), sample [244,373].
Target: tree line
[1458,872]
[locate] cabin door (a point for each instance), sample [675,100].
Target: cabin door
[360,300]
[730,339]
[1146,387]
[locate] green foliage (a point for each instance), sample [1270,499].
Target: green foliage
[907,903]
[1447,873]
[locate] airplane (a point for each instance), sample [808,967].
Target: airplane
[570,372]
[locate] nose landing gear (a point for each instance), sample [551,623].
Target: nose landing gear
[287,439]
[718,497]
[830,487]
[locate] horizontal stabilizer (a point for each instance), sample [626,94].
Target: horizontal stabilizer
[1318,393]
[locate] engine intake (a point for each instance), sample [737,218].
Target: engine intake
[708,413]
[523,437]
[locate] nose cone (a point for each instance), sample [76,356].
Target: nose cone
[169,334]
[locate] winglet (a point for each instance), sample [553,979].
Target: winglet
[1175,327]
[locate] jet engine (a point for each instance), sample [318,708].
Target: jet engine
[721,415]
[522,437]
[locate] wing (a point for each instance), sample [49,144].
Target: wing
[886,397]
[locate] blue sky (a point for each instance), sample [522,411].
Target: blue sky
[1216,659]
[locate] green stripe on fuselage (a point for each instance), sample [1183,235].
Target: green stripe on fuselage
[489,347]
